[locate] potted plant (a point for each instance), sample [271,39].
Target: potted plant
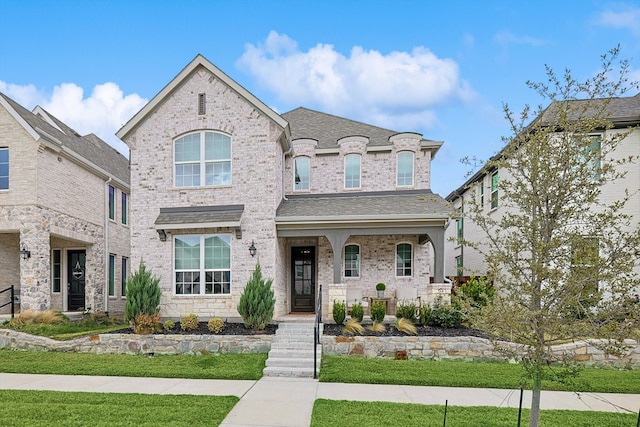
[380,287]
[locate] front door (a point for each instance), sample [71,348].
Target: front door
[75,279]
[303,288]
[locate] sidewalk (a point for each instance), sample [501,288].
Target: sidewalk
[289,401]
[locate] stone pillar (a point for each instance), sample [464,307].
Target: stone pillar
[332,292]
[96,276]
[35,271]
[439,291]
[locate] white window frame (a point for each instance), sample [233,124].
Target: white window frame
[295,168]
[404,268]
[347,179]
[495,201]
[202,270]
[413,161]
[53,272]
[8,163]
[358,261]
[202,162]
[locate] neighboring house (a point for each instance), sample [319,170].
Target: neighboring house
[220,181]
[464,260]
[64,220]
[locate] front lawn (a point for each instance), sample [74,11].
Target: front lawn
[53,408]
[218,366]
[349,369]
[342,412]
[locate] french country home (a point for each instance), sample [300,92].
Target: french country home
[328,206]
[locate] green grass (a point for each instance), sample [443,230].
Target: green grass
[466,374]
[342,412]
[49,408]
[223,366]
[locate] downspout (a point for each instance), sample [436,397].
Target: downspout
[106,245]
[284,156]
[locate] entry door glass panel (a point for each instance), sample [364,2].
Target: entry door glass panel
[303,277]
[76,276]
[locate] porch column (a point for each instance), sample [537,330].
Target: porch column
[436,236]
[337,238]
[35,289]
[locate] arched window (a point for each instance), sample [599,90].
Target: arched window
[404,169]
[352,170]
[352,261]
[302,167]
[202,158]
[404,257]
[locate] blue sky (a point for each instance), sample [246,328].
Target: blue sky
[440,68]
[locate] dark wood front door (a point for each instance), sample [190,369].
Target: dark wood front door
[75,279]
[303,288]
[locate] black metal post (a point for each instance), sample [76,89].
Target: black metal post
[13,302]
[446,405]
[520,408]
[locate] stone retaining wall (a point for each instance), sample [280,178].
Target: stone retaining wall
[140,344]
[464,348]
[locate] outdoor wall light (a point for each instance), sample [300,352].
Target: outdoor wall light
[25,253]
[252,248]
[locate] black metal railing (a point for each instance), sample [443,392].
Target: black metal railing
[316,333]
[12,299]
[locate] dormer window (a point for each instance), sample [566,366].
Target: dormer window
[404,168]
[352,171]
[301,173]
[203,154]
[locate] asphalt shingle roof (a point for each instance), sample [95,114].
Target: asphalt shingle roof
[384,205]
[89,146]
[199,215]
[328,129]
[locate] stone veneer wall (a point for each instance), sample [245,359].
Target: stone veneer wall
[463,348]
[140,344]
[460,348]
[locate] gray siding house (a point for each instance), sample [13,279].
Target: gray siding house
[220,181]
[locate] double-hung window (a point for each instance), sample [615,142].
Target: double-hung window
[4,168]
[404,258]
[112,275]
[352,261]
[459,231]
[124,272]
[56,269]
[112,203]
[202,264]
[124,207]
[352,170]
[301,178]
[404,169]
[202,159]
[459,265]
[494,190]
[593,157]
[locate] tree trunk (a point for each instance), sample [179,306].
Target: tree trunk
[535,399]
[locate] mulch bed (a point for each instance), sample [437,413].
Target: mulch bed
[229,329]
[424,331]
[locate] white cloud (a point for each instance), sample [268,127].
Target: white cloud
[391,89]
[103,112]
[625,17]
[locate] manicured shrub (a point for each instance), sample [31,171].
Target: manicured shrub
[406,310]
[257,301]
[353,327]
[406,326]
[381,286]
[378,311]
[143,294]
[339,311]
[426,315]
[478,291]
[168,325]
[189,322]
[145,324]
[215,325]
[357,311]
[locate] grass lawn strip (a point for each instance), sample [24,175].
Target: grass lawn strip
[48,408]
[467,374]
[219,366]
[342,412]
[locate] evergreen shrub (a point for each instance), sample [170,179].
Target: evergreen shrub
[257,301]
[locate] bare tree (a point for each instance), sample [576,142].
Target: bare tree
[564,258]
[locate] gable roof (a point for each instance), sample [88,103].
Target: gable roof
[89,150]
[328,129]
[621,112]
[200,61]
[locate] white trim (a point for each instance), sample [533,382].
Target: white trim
[413,169]
[202,269]
[344,260]
[202,162]
[294,174]
[395,261]
[344,162]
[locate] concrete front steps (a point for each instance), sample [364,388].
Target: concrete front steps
[292,350]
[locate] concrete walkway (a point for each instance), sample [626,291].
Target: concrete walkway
[275,401]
